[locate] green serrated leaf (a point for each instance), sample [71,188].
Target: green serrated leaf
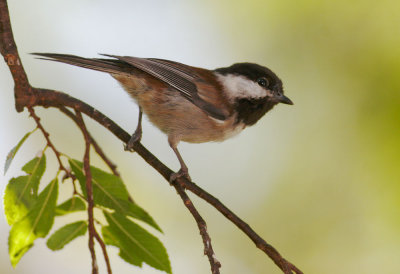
[66,234]
[135,211]
[17,201]
[109,191]
[110,239]
[37,223]
[35,168]
[72,205]
[21,192]
[135,243]
[14,151]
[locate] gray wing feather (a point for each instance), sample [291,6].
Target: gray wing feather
[170,74]
[183,70]
[177,76]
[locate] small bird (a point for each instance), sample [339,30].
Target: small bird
[188,103]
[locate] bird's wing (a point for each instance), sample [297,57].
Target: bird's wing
[176,75]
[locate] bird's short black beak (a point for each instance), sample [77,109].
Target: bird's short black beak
[283,99]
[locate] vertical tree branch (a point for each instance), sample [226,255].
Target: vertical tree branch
[8,49]
[89,191]
[88,141]
[104,249]
[208,250]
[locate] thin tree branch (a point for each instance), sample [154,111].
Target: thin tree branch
[104,249]
[89,191]
[88,141]
[96,146]
[103,156]
[49,143]
[208,250]
[94,143]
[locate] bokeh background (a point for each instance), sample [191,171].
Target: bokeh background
[319,180]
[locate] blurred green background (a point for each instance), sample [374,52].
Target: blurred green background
[319,180]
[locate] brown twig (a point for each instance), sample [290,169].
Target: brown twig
[27,96]
[268,249]
[103,156]
[104,249]
[89,192]
[86,165]
[208,250]
[47,137]
[88,141]
[96,146]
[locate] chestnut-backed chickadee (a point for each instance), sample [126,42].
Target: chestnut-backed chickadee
[187,103]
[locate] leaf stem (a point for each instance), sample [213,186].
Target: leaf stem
[103,248]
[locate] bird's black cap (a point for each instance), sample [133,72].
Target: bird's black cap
[254,72]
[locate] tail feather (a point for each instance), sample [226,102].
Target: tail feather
[105,65]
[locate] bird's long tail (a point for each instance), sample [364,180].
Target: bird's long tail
[113,66]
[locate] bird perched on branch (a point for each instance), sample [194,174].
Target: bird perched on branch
[187,103]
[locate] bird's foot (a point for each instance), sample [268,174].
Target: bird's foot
[181,173]
[136,137]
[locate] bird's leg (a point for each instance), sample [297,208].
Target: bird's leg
[137,135]
[183,172]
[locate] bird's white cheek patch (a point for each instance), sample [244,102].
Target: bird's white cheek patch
[237,86]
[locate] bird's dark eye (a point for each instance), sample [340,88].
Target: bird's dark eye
[262,82]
